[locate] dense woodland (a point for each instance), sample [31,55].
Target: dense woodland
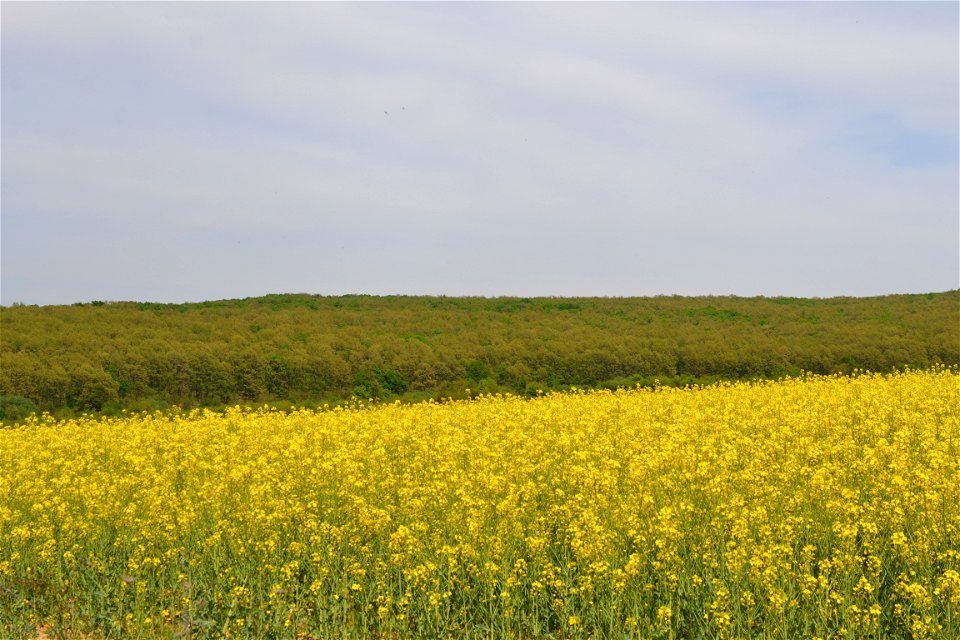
[306,350]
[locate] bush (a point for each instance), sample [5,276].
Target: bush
[16,407]
[98,392]
[392,381]
[477,371]
[366,386]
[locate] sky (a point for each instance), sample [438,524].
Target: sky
[177,152]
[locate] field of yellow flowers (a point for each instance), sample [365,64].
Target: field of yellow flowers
[816,507]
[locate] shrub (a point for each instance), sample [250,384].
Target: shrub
[16,407]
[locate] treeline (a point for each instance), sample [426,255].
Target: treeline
[307,349]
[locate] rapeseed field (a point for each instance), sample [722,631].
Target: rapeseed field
[814,507]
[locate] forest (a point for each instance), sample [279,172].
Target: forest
[309,350]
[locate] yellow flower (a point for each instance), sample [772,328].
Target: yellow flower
[787,500]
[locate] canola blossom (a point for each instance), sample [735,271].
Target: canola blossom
[815,507]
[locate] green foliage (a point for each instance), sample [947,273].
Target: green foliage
[98,357]
[477,371]
[13,408]
[366,386]
[721,314]
[392,381]
[94,390]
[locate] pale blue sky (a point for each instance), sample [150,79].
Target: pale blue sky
[189,151]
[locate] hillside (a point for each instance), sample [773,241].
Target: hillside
[313,349]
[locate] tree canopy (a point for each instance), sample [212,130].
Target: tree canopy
[308,349]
